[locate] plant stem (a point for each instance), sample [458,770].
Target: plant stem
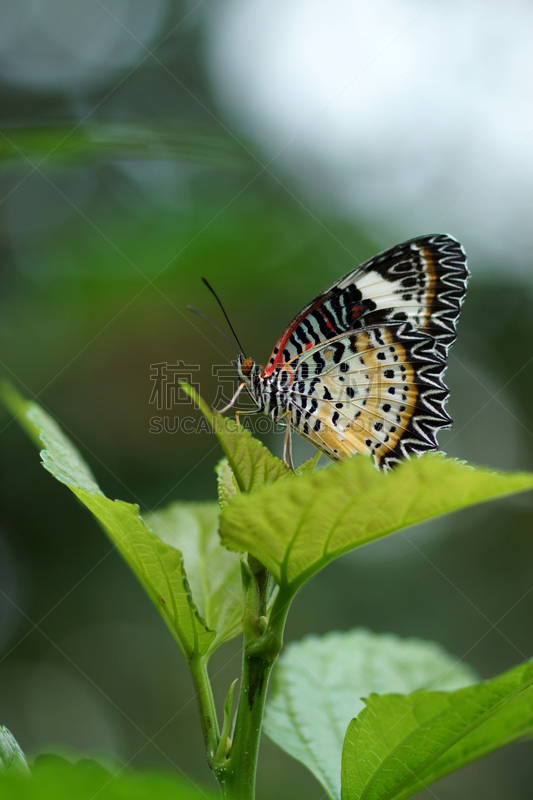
[206,704]
[262,645]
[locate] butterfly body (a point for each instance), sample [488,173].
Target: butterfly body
[269,392]
[360,369]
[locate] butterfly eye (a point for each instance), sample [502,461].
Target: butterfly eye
[246,366]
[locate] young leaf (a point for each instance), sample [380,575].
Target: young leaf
[158,566]
[400,744]
[213,573]
[250,461]
[12,759]
[308,467]
[227,487]
[225,741]
[318,684]
[298,526]
[54,778]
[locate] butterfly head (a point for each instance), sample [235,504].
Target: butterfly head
[250,373]
[245,366]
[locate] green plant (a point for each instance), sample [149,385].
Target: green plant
[215,571]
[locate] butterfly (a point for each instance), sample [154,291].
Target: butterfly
[360,368]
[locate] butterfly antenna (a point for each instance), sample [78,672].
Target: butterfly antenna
[224,312]
[195,310]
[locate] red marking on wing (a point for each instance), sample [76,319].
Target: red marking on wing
[279,360]
[326,320]
[357,310]
[277,363]
[286,335]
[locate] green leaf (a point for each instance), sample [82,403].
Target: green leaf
[297,527]
[227,487]
[12,759]
[318,684]
[308,467]
[400,744]
[213,573]
[54,778]
[248,464]
[158,566]
[119,140]
[250,461]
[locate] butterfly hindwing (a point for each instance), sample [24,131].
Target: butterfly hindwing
[377,391]
[421,281]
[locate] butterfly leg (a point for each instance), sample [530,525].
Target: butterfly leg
[251,411]
[287,443]
[233,399]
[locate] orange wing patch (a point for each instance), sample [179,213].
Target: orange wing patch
[365,401]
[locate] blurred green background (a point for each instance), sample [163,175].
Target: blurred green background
[131,164]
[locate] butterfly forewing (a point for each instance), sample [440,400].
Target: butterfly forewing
[360,369]
[377,391]
[421,281]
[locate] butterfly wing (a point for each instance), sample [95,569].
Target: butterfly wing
[421,281]
[377,391]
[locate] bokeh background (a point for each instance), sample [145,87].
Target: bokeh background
[270,146]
